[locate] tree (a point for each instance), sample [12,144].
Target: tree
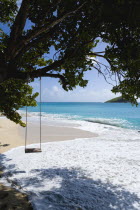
[72,29]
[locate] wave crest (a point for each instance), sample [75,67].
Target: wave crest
[60,117]
[49,116]
[112,122]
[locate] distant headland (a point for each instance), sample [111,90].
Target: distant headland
[117,100]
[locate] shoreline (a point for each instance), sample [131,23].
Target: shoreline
[11,198]
[63,169]
[101,165]
[9,137]
[13,135]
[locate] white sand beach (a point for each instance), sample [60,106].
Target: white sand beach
[100,172]
[9,135]
[12,135]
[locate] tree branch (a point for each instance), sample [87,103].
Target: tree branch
[102,56]
[42,71]
[35,73]
[46,28]
[32,44]
[18,25]
[59,76]
[20,20]
[36,32]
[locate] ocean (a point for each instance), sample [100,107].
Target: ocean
[122,115]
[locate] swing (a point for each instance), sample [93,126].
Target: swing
[33,150]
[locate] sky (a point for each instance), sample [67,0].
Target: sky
[97,90]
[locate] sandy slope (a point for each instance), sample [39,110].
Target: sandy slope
[12,135]
[85,174]
[100,173]
[9,135]
[12,199]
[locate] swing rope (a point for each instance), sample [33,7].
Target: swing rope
[40,112]
[26,129]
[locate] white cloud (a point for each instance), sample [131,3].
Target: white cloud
[56,93]
[56,89]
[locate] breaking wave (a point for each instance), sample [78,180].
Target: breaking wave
[60,117]
[113,122]
[47,116]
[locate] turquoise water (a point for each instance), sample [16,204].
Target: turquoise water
[117,114]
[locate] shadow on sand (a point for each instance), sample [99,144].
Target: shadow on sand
[76,191]
[9,197]
[4,145]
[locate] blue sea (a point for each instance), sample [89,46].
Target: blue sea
[122,115]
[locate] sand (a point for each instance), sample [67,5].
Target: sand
[9,135]
[92,173]
[13,135]
[12,199]
[95,173]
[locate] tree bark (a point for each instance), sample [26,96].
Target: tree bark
[17,29]
[3,73]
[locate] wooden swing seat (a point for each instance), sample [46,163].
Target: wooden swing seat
[32,150]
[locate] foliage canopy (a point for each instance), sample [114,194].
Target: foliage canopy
[72,29]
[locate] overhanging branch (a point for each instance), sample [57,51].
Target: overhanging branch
[18,26]
[102,56]
[20,20]
[36,32]
[59,76]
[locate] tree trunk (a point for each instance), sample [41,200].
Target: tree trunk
[3,73]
